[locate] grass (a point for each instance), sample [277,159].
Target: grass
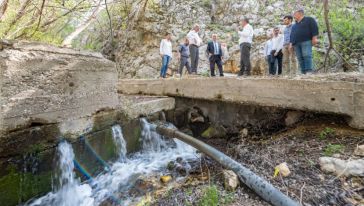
[327,132]
[331,149]
[210,197]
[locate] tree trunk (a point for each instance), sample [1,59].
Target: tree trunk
[3,7]
[67,42]
[329,32]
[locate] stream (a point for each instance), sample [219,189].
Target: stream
[113,186]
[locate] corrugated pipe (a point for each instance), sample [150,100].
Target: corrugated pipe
[265,190]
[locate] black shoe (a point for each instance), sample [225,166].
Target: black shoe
[221,75]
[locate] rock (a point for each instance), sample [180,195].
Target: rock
[336,155]
[215,131]
[244,133]
[282,169]
[171,165]
[292,117]
[342,167]
[231,180]
[197,119]
[166,179]
[359,151]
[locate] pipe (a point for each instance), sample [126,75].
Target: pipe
[265,190]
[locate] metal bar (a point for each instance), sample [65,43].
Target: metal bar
[265,190]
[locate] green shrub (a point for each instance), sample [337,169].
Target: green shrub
[327,132]
[210,197]
[331,149]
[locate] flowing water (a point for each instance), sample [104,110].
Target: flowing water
[117,135]
[114,186]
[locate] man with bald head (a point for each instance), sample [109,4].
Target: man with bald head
[215,55]
[245,43]
[303,36]
[195,43]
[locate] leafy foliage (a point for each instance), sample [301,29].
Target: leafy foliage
[347,23]
[210,197]
[327,132]
[331,149]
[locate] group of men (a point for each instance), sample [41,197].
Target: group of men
[295,43]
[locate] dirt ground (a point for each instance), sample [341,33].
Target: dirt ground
[300,147]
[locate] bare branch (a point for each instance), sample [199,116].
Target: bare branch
[18,16]
[3,8]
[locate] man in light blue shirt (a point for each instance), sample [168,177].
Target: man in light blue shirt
[289,55]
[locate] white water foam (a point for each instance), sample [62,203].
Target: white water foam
[114,185]
[120,142]
[70,192]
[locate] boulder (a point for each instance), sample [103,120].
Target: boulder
[231,180]
[342,167]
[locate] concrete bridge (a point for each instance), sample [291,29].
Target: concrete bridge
[341,94]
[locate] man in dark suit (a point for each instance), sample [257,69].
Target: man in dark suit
[215,55]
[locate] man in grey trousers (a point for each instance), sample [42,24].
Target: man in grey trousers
[245,42]
[195,42]
[184,56]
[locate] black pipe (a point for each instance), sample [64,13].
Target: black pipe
[265,190]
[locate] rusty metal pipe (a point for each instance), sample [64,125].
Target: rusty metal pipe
[265,190]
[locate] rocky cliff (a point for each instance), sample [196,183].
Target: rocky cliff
[139,57]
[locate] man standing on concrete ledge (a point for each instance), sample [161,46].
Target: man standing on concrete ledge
[195,42]
[215,55]
[166,54]
[303,37]
[245,42]
[184,56]
[289,56]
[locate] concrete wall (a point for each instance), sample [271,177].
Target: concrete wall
[48,93]
[41,84]
[325,94]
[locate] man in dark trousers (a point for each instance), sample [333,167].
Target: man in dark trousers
[303,36]
[215,55]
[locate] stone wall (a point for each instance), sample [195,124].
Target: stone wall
[139,57]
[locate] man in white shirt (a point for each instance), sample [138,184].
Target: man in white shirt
[245,42]
[195,43]
[267,53]
[276,53]
[166,54]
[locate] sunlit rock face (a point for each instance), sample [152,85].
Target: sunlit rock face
[140,56]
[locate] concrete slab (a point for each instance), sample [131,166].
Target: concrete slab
[136,106]
[339,94]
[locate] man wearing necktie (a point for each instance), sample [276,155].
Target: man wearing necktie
[215,55]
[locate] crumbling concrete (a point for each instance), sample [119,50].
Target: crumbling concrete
[42,84]
[342,94]
[72,92]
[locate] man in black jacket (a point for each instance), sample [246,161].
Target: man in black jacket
[215,55]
